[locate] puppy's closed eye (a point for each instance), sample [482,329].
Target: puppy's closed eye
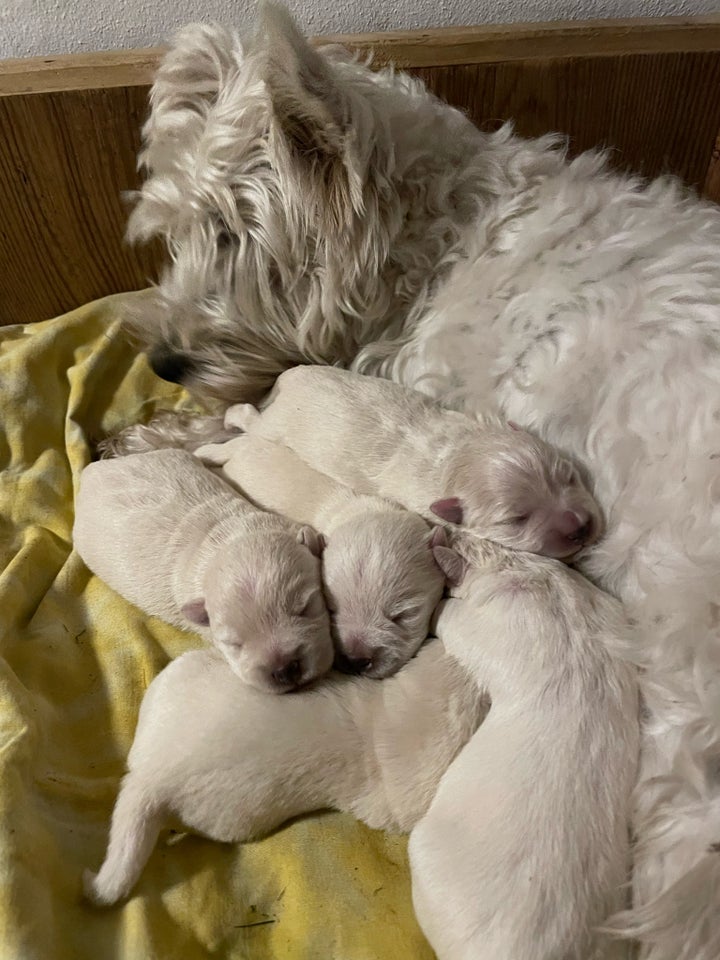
[310,608]
[404,616]
[517,520]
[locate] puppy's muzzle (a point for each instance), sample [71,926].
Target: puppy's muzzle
[289,675]
[353,665]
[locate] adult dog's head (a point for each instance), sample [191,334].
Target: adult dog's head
[306,203]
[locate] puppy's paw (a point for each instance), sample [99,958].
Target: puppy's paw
[95,894]
[89,887]
[240,416]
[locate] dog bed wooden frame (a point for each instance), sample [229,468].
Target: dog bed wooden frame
[70,130]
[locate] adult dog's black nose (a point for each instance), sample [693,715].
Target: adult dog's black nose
[169,364]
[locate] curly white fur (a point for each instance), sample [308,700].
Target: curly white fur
[318,212]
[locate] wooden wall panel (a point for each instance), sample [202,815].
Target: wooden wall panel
[65,160]
[659,112]
[70,129]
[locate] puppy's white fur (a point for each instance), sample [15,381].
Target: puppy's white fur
[374,750]
[525,848]
[182,545]
[380,437]
[383,569]
[320,212]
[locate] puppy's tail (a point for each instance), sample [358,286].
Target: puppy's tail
[136,822]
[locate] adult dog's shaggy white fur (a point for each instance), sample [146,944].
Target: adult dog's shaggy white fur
[234,764]
[179,543]
[383,569]
[382,438]
[316,211]
[525,848]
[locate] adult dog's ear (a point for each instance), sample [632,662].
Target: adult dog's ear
[306,100]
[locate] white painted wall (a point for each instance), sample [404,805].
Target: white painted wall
[31,28]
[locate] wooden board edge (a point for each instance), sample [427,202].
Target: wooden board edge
[446,46]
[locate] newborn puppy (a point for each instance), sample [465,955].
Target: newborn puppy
[383,568]
[234,764]
[180,544]
[524,851]
[382,438]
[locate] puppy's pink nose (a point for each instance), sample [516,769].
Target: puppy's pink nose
[288,675]
[575,525]
[567,532]
[352,664]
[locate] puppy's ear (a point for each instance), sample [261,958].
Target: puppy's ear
[314,541]
[449,509]
[196,613]
[305,96]
[438,538]
[451,564]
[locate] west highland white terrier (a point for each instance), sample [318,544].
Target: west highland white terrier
[319,212]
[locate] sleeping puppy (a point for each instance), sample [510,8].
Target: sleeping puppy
[382,438]
[179,543]
[233,764]
[524,850]
[384,569]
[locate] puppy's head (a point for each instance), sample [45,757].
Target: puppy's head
[265,609]
[384,574]
[518,491]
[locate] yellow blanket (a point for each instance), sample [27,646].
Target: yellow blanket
[75,661]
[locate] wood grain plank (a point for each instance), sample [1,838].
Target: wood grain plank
[659,114]
[490,43]
[65,160]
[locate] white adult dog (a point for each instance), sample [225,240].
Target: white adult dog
[382,438]
[178,542]
[319,212]
[383,569]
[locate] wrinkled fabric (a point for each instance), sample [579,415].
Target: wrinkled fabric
[75,660]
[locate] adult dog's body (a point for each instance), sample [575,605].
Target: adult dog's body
[318,212]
